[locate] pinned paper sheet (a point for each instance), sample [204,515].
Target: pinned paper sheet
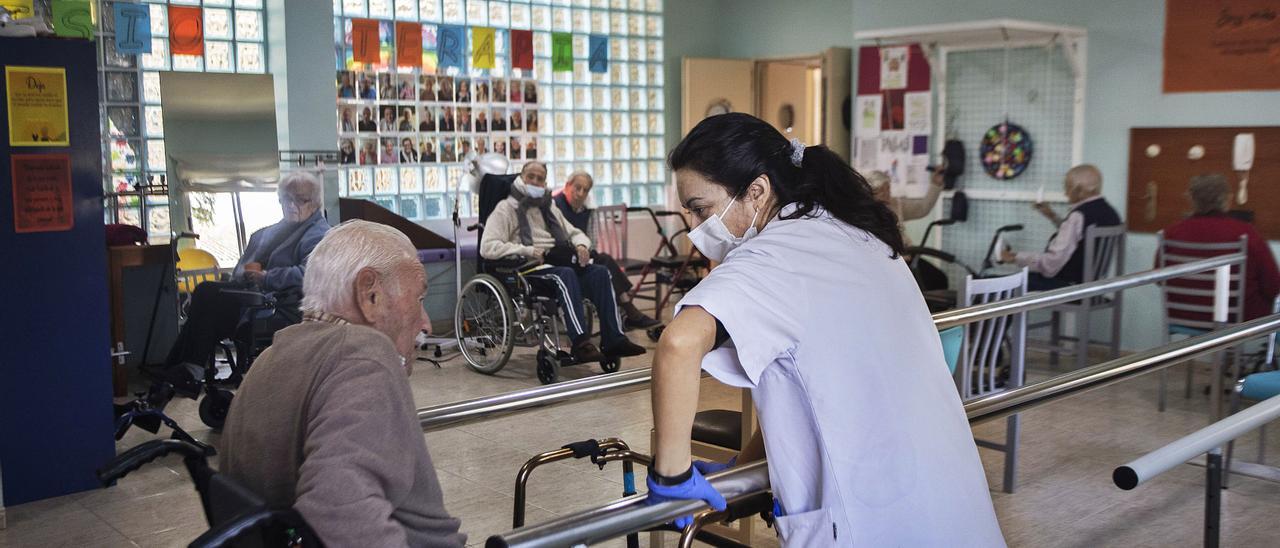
[482,47]
[1040,195]
[996,250]
[561,52]
[867,156]
[522,49]
[449,46]
[133,28]
[364,41]
[186,30]
[893,67]
[868,115]
[19,9]
[73,19]
[42,199]
[408,44]
[598,56]
[918,112]
[917,183]
[37,103]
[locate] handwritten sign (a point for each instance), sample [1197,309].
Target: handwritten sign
[133,28]
[364,41]
[522,49]
[1226,45]
[449,46]
[482,50]
[408,44]
[561,52]
[186,30]
[598,53]
[73,19]
[42,199]
[37,106]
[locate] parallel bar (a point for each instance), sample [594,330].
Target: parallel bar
[1203,440]
[440,416]
[1044,299]
[631,515]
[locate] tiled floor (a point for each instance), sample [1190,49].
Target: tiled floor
[1064,497]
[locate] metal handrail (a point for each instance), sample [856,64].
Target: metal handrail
[453,413]
[630,515]
[1201,441]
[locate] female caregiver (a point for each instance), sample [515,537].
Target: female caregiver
[818,315]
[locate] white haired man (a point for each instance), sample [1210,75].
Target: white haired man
[1062,262]
[573,205]
[525,224]
[325,422]
[273,261]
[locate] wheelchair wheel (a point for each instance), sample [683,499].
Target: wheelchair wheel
[610,365]
[547,373]
[482,322]
[214,407]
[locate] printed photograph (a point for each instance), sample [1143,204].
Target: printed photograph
[427,87]
[346,84]
[347,152]
[368,152]
[427,150]
[426,119]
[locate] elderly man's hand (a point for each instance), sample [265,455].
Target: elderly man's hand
[937,178]
[584,255]
[1046,210]
[1007,256]
[255,277]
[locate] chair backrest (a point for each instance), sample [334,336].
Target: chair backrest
[195,266]
[609,230]
[1188,300]
[991,343]
[1103,247]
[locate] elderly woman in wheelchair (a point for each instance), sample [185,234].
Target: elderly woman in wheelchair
[261,298]
[538,270]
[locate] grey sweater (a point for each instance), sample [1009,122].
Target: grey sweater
[325,422]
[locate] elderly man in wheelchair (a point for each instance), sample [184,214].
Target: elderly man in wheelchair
[536,262]
[262,297]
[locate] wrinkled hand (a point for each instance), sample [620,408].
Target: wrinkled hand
[695,488]
[1045,210]
[1007,256]
[707,467]
[539,255]
[584,255]
[255,277]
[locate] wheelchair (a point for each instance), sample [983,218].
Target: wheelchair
[236,516]
[504,307]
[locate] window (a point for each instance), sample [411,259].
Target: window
[135,181]
[404,132]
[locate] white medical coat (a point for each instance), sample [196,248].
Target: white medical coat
[867,440]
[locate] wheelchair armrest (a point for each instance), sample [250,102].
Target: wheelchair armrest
[135,457]
[250,298]
[248,522]
[510,262]
[930,252]
[475,227]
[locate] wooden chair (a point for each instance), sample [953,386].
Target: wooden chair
[1188,301]
[987,347]
[1103,249]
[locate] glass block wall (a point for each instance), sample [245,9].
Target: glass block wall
[132,119]
[609,124]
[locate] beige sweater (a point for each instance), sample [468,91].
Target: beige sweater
[325,422]
[502,231]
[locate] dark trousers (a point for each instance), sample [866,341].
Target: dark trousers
[619,277]
[1037,282]
[211,317]
[592,282]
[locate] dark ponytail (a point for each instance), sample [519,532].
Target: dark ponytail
[733,149]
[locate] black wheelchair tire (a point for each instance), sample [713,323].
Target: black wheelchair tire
[547,373]
[503,354]
[214,407]
[610,364]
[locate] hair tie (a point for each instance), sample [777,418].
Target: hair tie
[797,152]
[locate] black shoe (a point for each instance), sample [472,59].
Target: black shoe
[586,352]
[631,323]
[624,348]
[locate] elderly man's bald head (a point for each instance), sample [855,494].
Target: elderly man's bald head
[1083,182]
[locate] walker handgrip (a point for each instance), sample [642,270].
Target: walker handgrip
[235,528]
[134,458]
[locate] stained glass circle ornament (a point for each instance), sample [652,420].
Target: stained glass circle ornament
[1006,150]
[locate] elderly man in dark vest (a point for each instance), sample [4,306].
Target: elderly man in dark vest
[526,224]
[1062,262]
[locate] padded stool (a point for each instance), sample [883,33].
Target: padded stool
[718,427]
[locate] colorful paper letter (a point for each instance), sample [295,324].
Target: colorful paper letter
[449,46]
[522,49]
[133,28]
[186,30]
[482,50]
[561,52]
[73,19]
[598,53]
[408,44]
[364,41]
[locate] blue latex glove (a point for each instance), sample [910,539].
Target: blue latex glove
[707,467]
[695,488]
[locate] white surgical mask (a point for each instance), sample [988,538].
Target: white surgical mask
[713,239]
[534,192]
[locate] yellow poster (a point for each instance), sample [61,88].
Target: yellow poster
[19,9]
[37,99]
[482,47]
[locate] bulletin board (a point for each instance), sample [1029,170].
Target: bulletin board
[1158,184]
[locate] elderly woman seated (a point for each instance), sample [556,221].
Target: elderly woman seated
[325,420]
[273,262]
[1209,223]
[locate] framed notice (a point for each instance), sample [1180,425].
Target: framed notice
[42,199]
[1221,45]
[37,98]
